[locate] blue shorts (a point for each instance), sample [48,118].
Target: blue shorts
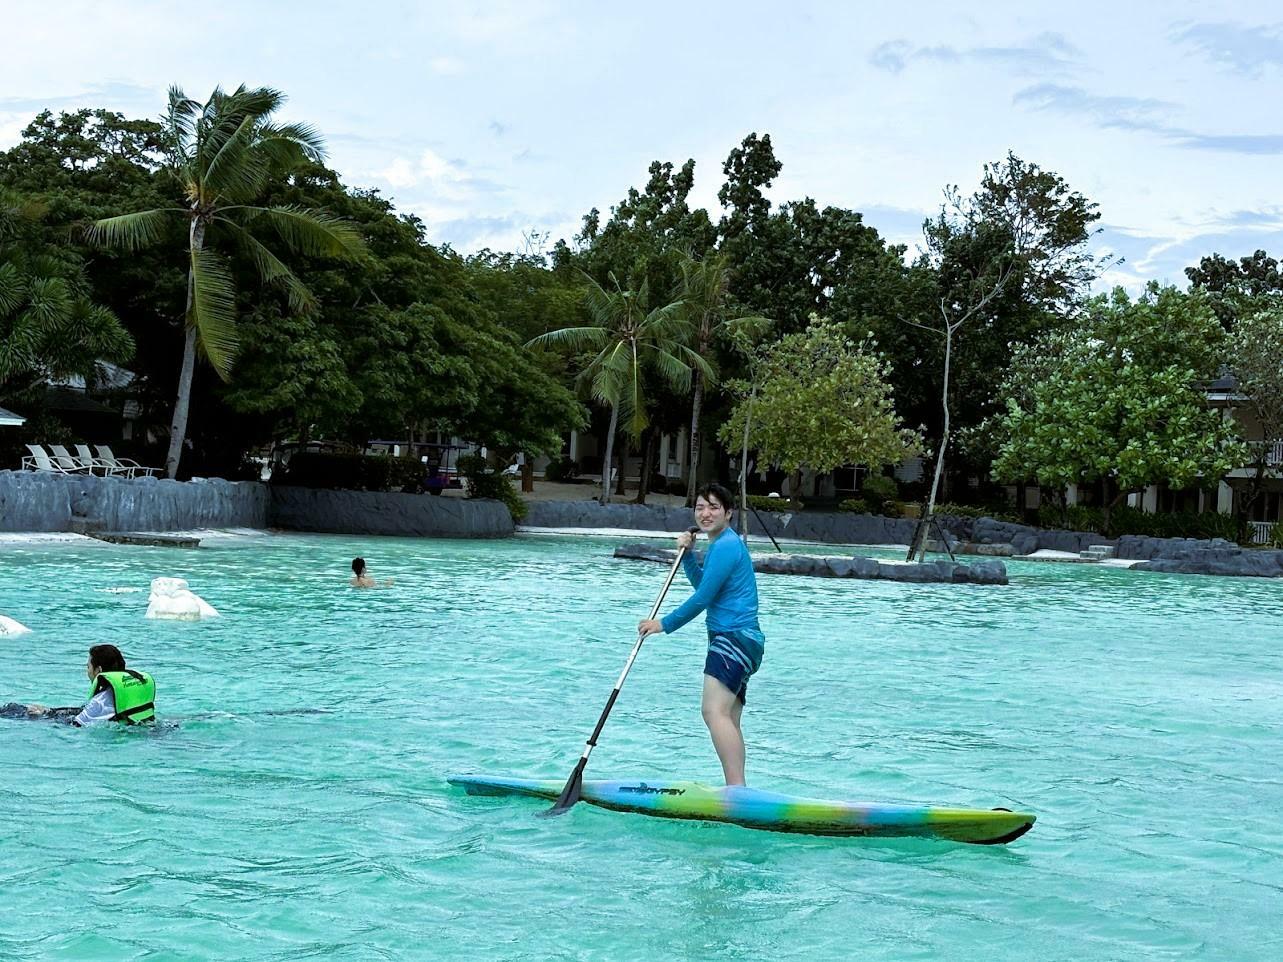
[732,658]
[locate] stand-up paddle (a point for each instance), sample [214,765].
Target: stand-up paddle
[570,794]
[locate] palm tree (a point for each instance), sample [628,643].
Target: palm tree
[629,340]
[224,152]
[704,294]
[49,325]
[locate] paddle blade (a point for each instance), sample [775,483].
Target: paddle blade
[570,794]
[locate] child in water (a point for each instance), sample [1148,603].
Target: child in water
[361,577]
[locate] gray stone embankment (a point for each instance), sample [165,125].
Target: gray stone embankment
[938,572]
[1187,556]
[1172,555]
[387,513]
[36,501]
[1025,539]
[823,527]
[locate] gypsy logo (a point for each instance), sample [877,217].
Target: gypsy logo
[644,789]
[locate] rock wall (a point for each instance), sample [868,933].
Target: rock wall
[946,572]
[387,513]
[1027,540]
[38,501]
[1191,557]
[835,528]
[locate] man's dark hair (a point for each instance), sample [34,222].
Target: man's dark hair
[358,566]
[719,492]
[107,658]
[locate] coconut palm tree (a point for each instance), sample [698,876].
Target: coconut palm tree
[49,325]
[706,308]
[628,340]
[223,153]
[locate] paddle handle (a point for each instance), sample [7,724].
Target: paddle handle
[632,657]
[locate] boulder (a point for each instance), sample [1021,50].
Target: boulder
[11,629]
[172,599]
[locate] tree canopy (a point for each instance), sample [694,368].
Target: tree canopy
[819,401]
[1115,399]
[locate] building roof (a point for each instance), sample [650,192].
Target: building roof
[69,400]
[11,420]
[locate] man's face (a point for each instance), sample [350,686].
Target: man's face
[711,515]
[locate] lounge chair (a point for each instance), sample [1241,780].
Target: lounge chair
[104,453]
[84,456]
[41,460]
[64,459]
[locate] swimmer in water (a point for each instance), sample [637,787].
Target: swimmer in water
[361,577]
[116,694]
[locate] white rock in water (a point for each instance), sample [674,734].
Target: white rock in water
[10,628]
[171,598]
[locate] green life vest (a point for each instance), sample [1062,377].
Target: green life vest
[134,691]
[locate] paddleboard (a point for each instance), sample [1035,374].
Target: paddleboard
[770,811]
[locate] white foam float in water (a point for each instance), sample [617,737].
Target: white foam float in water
[120,591]
[171,598]
[10,628]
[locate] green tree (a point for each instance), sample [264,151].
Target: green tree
[820,401]
[1233,287]
[627,341]
[223,153]
[1114,400]
[1009,261]
[647,234]
[50,326]
[706,307]
[1255,356]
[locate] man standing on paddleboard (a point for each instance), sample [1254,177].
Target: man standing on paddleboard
[726,588]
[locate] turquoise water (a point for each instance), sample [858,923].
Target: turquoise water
[1138,715]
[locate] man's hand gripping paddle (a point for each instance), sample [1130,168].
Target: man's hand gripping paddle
[570,794]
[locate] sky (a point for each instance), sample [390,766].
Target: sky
[501,121]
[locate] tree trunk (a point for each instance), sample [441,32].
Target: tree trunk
[1109,503]
[748,420]
[182,405]
[920,548]
[693,474]
[610,447]
[649,451]
[1256,485]
[622,458]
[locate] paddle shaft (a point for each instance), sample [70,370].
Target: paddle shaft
[570,794]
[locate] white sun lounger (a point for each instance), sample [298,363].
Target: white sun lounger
[85,456]
[41,460]
[123,464]
[69,463]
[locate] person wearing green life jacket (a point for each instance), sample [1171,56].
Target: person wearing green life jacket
[116,693]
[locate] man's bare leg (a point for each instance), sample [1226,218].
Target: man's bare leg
[722,711]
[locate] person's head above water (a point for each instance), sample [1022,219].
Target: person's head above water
[104,658]
[358,567]
[714,505]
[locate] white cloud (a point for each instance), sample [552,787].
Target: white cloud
[446,66]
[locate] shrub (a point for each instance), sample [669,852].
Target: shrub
[561,470]
[677,486]
[1128,520]
[352,472]
[989,511]
[1276,535]
[855,506]
[481,482]
[763,503]
[879,488]
[658,483]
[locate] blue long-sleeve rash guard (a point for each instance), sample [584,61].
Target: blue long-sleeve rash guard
[725,587]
